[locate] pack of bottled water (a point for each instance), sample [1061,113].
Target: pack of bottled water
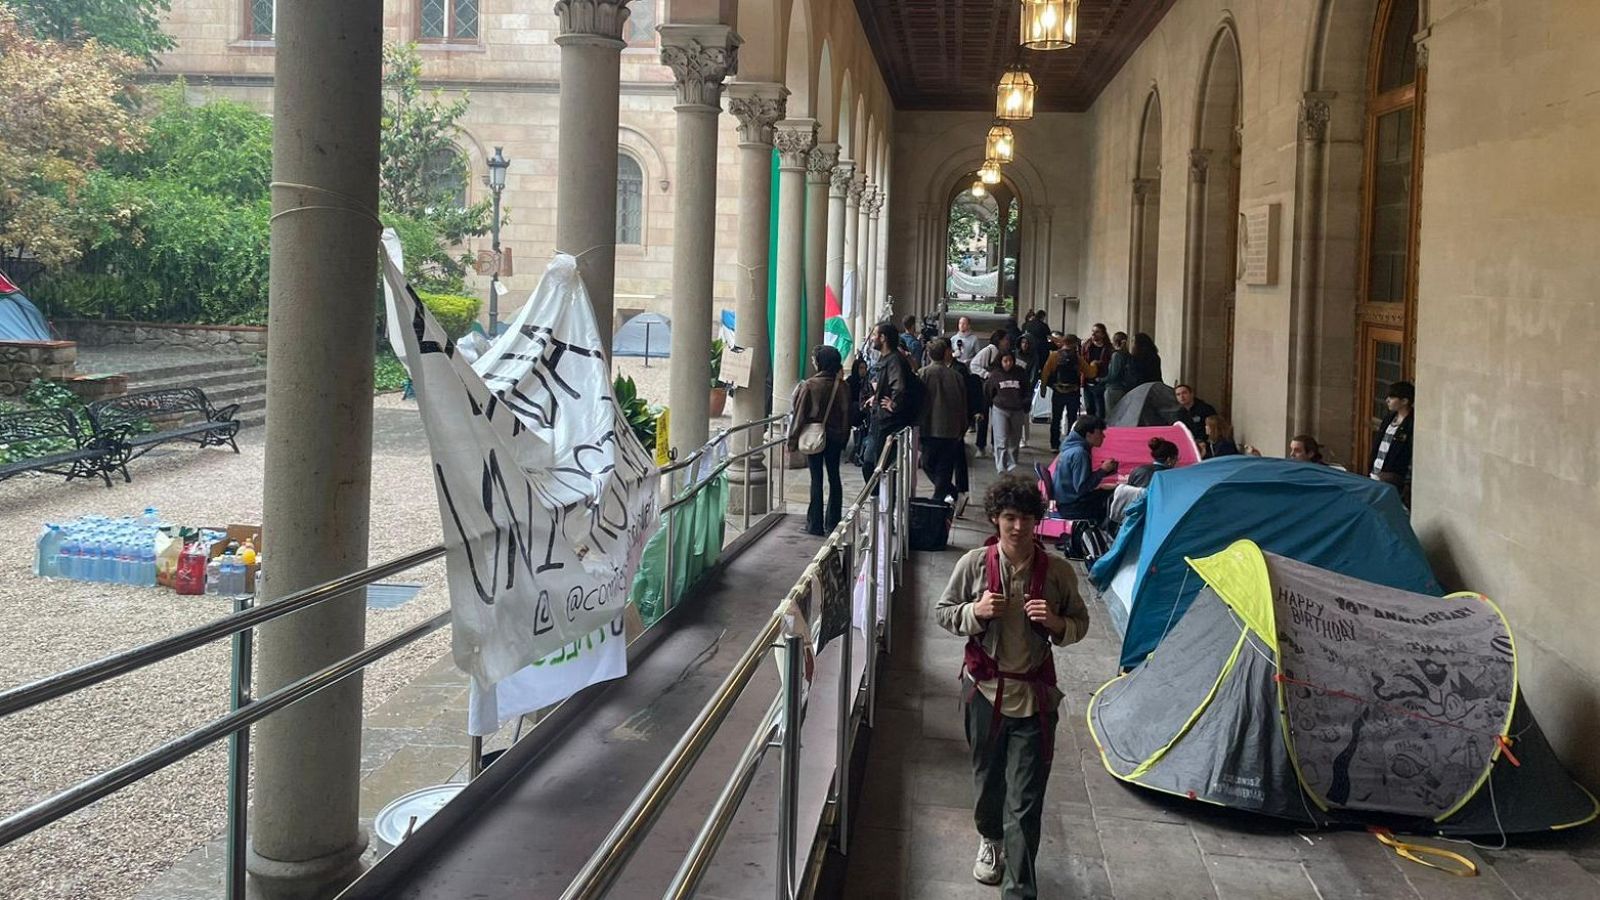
[98,548]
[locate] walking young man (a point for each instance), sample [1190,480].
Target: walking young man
[1013,601]
[888,403]
[944,420]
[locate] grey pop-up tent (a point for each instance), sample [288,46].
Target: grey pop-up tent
[1152,403]
[648,335]
[1301,693]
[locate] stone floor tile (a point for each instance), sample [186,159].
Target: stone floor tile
[942,718]
[943,844]
[879,863]
[1246,878]
[952,890]
[1070,876]
[1352,865]
[407,770]
[1548,878]
[1117,798]
[941,775]
[885,797]
[1071,827]
[1153,860]
[1221,832]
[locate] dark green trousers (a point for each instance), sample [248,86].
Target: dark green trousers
[1010,771]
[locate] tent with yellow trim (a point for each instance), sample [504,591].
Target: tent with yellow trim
[1298,692]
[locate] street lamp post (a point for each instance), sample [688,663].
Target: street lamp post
[497,183]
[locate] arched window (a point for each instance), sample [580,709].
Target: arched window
[630,200]
[1388,287]
[446,175]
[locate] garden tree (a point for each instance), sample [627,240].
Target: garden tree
[422,172]
[131,26]
[61,107]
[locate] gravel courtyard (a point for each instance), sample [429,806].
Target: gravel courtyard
[112,849]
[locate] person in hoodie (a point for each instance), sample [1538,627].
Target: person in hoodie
[1077,479]
[1010,397]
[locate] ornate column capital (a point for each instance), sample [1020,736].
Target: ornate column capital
[1314,115]
[858,187]
[843,174]
[875,206]
[758,106]
[700,57]
[591,21]
[794,139]
[1199,161]
[821,161]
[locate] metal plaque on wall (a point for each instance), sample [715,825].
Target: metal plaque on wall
[1258,245]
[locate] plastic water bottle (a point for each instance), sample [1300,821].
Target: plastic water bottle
[49,552]
[214,577]
[233,575]
[149,518]
[147,564]
[67,553]
[125,573]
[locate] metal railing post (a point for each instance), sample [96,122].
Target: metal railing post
[746,460]
[667,598]
[847,697]
[780,454]
[243,645]
[789,778]
[872,605]
[474,756]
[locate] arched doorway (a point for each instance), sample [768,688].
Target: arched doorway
[1386,307]
[1144,247]
[1214,166]
[982,246]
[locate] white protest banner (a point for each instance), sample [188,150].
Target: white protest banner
[601,656]
[547,497]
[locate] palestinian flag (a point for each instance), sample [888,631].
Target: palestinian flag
[20,320]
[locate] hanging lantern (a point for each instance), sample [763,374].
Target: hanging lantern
[978,190]
[1014,99]
[989,172]
[1001,145]
[1049,24]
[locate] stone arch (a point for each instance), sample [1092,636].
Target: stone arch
[858,149]
[949,191]
[633,202]
[761,26]
[1144,248]
[798,73]
[649,155]
[846,132]
[826,110]
[1213,214]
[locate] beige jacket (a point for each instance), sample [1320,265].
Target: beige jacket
[1010,639]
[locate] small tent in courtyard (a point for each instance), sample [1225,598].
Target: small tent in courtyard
[1152,403]
[1292,690]
[1342,522]
[648,335]
[20,320]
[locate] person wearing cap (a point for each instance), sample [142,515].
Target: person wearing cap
[1391,445]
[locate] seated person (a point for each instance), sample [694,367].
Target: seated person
[1164,454]
[1077,479]
[1219,438]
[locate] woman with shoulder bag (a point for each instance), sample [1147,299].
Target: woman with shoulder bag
[819,427]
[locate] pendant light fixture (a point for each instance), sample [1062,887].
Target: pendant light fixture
[989,172]
[1001,145]
[978,190]
[1014,98]
[1049,24]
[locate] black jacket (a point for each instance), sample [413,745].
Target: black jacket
[1194,418]
[891,378]
[1398,460]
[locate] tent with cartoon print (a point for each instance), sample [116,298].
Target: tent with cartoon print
[1294,691]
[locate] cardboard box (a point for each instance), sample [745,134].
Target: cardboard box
[240,533]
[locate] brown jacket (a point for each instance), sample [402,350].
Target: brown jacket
[944,403]
[1010,639]
[811,404]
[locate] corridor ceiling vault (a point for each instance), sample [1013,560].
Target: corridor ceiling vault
[948,54]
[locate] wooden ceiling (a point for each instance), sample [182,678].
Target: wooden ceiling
[948,54]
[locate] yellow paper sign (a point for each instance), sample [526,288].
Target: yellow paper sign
[663,450]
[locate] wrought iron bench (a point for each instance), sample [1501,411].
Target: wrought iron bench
[172,414]
[52,441]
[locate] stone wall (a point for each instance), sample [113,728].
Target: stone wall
[225,339]
[22,362]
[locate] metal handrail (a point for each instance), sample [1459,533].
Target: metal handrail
[88,675]
[605,865]
[112,780]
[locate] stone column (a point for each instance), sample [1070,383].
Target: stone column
[795,139]
[590,39]
[874,255]
[700,57]
[841,237]
[305,837]
[863,257]
[819,171]
[1194,264]
[758,107]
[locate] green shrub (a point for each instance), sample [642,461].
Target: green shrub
[454,312]
[387,373]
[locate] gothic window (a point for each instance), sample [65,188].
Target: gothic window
[448,21]
[447,175]
[259,19]
[630,200]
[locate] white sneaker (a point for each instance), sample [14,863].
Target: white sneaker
[991,862]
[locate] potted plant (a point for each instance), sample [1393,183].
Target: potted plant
[719,391]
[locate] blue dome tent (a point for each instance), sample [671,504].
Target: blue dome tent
[20,320]
[1315,514]
[648,335]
